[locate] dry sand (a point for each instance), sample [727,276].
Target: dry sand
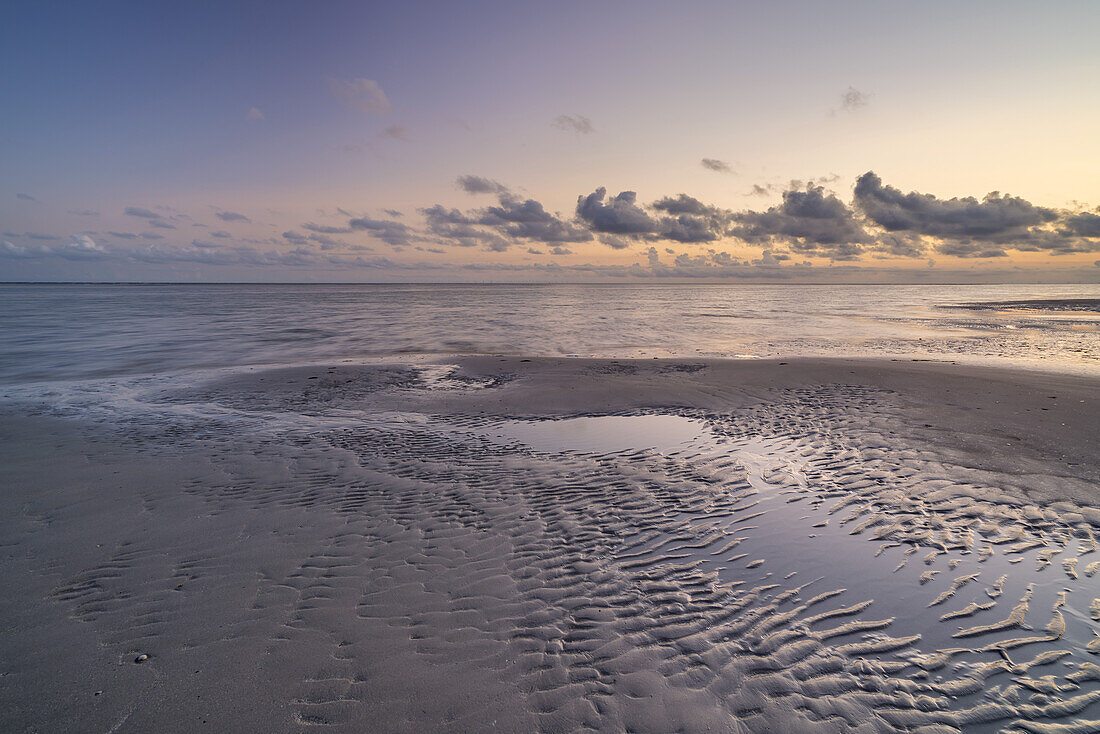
[804,545]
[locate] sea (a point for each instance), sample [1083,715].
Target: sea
[66,332]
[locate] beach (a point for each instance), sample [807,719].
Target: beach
[554,544]
[543,368]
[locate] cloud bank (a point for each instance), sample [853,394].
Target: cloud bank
[810,222]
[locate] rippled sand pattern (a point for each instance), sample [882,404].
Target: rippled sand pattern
[791,567]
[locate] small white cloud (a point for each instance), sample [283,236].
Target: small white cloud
[363,94]
[254,113]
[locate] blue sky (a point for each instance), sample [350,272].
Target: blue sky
[290,114]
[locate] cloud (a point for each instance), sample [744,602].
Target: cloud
[328,243]
[78,247]
[881,222]
[461,230]
[618,215]
[713,164]
[480,185]
[691,220]
[390,232]
[770,257]
[616,242]
[362,94]
[969,227]
[395,131]
[325,229]
[851,99]
[25,197]
[231,217]
[1081,224]
[84,212]
[527,219]
[993,218]
[393,212]
[573,123]
[496,227]
[970,249]
[809,220]
[254,113]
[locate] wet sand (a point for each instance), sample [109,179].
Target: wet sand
[501,544]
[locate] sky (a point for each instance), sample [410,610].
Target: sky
[565,141]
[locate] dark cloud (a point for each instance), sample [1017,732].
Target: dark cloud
[84,212]
[994,218]
[683,204]
[618,215]
[690,220]
[460,230]
[713,164]
[616,242]
[852,99]
[295,237]
[390,232]
[970,249]
[124,235]
[899,244]
[560,251]
[495,227]
[231,217]
[968,227]
[325,229]
[160,223]
[395,131]
[25,197]
[535,251]
[137,211]
[221,233]
[809,220]
[328,243]
[1081,224]
[480,185]
[393,212]
[574,123]
[527,219]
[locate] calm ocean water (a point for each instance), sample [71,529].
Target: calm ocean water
[64,332]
